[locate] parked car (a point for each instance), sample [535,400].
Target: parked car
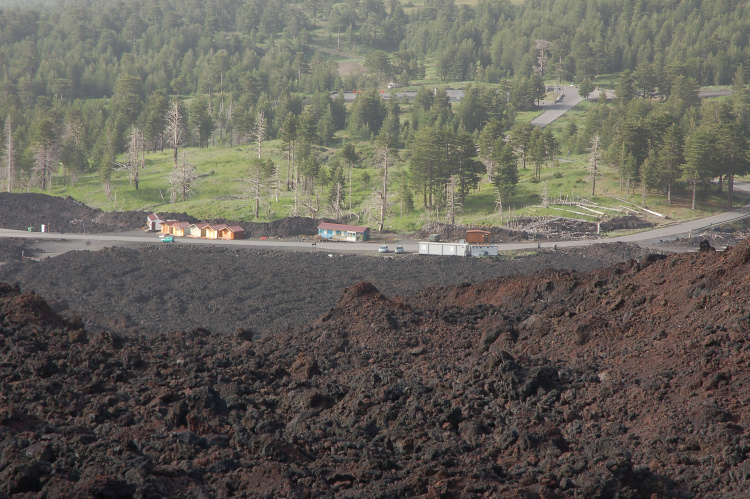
[167,239]
[383,249]
[399,249]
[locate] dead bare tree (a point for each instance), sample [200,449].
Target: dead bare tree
[259,173]
[9,154]
[259,132]
[384,155]
[256,189]
[228,117]
[134,155]
[541,47]
[312,203]
[175,127]
[337,201]
[181,179]
[430,219]
[276,181]
[595,157]
[453,206]
[499,202]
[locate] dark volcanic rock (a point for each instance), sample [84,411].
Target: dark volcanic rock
[161,288]
[502,398]
[22,210]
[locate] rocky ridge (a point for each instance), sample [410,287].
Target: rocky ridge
[628,381]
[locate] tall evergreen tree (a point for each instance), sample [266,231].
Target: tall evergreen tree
[506,177]
[45,153]
[487,142]
[154,121]
[462,162]
[537,151]
[520,138]
[200,120]
[699,158]
[367,114]
[427,162]
[670,158]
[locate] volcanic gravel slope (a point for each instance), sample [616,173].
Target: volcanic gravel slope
[630,381]
[161,288]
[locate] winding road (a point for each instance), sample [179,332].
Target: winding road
[55,243]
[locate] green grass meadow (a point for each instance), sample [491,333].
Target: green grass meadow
[222,191]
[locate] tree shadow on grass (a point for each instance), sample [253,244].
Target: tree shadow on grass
[522,197]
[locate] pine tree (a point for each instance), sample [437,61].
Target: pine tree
[45,153]
[670,158]
[699,158]
[506,176]
[427,162]
[537,151]
[487,140]
[520,137]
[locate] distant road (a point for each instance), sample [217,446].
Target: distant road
[55,243]
[554,110]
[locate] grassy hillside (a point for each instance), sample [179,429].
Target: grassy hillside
[223,190]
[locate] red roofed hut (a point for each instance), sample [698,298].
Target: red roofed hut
[174,227]
[232,232]
[212,231]
[154,222]
[198,230]
[179,228]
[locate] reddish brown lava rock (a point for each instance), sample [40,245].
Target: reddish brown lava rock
[629,381]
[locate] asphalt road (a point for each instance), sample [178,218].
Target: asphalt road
[554,110]
[55,243]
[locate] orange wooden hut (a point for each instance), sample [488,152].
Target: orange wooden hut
[477,236]
[232,232]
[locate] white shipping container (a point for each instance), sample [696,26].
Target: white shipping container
[484,250]
[448,249]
